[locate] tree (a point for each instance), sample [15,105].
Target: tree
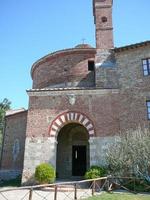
[4,106]
[131,154]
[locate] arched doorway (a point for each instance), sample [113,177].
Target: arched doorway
[72,151]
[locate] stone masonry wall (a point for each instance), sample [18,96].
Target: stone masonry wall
[37,150]
[44,149]
[134,88]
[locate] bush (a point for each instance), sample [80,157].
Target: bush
[139,185]
[45,173]
[130,154]
[95,172]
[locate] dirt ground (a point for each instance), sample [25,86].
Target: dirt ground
[42,195]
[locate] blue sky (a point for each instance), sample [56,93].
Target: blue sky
[30,29]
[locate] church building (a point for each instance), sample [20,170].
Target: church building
[81,99]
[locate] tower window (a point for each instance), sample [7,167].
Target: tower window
[146,66]
[104,19]
[91,65]
[148,109]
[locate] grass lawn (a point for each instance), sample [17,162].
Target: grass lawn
[123,196]
[14,182]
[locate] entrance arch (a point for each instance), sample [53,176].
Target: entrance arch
[72,157]
[71,117]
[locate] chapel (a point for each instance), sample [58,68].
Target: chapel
[81,99]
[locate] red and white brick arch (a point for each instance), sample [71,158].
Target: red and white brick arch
[71,117]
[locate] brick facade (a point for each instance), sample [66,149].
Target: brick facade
[104,101]
[13,145]
[64,69]
[103,24]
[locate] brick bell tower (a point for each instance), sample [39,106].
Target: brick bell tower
[105,69]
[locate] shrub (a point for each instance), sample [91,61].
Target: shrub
[45,173]
[95,172]
[130,154]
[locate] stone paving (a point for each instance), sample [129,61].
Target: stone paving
[43,194]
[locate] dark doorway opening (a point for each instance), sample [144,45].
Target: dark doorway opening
[78,160]
[72,138]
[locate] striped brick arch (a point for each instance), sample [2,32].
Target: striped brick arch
[71,117]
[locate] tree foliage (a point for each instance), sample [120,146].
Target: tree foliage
[4,106]
[130,155]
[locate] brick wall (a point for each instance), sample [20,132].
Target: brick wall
[15,130]
[65,69]
[101,106]
[104,28]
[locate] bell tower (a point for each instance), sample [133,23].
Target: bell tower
[102,11]
[105,70]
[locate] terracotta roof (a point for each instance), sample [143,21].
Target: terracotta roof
[13,112]
[132,46]
[83,46]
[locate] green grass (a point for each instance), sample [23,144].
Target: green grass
[123,196]
[13,182]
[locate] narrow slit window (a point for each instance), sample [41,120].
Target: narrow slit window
[146,66]
[148,109]
[91,65]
